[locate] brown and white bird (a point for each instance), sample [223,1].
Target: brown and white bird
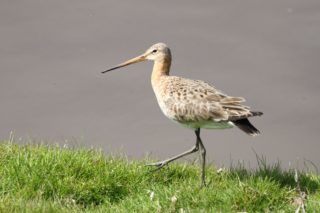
[192,103]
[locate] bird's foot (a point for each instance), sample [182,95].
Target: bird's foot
[159,165]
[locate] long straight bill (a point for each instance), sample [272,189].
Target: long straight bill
[126,63]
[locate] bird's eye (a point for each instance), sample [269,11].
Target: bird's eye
[154,51]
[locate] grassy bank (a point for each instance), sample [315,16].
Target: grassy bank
[38,178]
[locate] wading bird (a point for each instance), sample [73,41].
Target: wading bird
[192,103]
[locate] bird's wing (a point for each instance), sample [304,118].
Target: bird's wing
[196,100]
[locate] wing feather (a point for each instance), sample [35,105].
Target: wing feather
[195,100]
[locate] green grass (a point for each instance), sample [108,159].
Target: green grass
[40,178]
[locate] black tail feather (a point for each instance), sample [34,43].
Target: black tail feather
[255,113]
[245,125]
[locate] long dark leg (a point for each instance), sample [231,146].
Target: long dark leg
[195,148]
[203,157]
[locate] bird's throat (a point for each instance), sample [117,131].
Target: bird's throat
[160,69]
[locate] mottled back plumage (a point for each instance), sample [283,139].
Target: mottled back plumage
[185,100]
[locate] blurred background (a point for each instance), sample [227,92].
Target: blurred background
[51,88]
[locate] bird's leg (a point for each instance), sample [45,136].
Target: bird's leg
[203,158]
[161,164]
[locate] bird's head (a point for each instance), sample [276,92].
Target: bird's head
[159,52]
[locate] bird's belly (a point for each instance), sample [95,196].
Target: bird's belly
[207,124]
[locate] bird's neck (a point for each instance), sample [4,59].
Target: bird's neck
[160,69]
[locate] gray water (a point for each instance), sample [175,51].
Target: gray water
[52,53]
